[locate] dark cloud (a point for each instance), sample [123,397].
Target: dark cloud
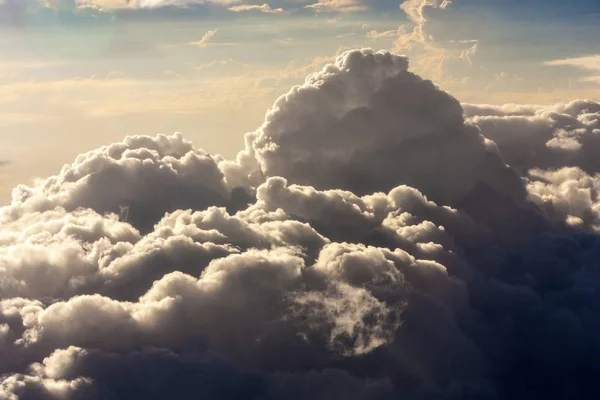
[556,147]
[369,242]
[543,136]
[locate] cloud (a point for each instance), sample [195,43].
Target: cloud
[265,8]
[531,136]
[205,39]
[415,9]
[177,3]
[361,91]
[375,35]
[369,242]
[338,6]
[555,147]
[434,56]
[114,177]
[590,64]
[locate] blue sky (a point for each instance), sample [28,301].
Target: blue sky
[84,73]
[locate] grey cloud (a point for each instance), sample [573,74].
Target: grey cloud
[351,301]
[146,176]
[555,147]
[412,262]
[567,194]
[563,135]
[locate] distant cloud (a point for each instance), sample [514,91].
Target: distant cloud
[265,8]
[176,3]
[205,39]
[415,8]
[434,55]
[588,63]
[375,35]
[338,6]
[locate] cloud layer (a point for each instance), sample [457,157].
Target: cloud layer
[375,239]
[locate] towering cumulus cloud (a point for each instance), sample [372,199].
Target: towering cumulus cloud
[367,124]
[373,240]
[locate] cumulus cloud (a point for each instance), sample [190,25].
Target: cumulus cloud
[553,136]
[555,147]
[315,134]
[370,242]
[140,178]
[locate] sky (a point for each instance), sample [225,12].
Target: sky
[299,200]
[78,74]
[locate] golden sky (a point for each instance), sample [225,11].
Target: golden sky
[75,75]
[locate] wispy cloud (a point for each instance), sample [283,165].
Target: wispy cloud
[338,6]
[265,8]
[205,39]
[431,56]
[588,63]
[375,35]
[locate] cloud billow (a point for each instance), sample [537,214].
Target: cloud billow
[367,124]
[375,239]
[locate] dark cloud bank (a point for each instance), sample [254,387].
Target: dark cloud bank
[375,239]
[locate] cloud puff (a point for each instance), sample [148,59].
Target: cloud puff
[532,136]
[140,178]
[568,194]
[370,242]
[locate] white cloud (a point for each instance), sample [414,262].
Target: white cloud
[590,64]
[203,42]
[265,8]
[338,6]
[432,55]
[115,176]
[375,35]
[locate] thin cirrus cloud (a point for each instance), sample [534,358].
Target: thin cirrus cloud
[203,42]
[265,8]
[343,6]
[589,64]
[370,241]
[375,35]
